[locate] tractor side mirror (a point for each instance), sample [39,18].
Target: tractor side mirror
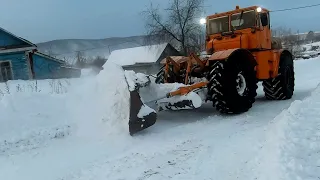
[264,19]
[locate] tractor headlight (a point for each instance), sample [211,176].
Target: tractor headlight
[259,9]
[203,21]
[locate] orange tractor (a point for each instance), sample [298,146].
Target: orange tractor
[240,53]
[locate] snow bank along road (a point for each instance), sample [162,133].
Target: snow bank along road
[85,138]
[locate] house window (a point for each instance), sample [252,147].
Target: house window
[5,71]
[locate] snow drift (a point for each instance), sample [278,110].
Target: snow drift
[293,141]
[25,126]
[33,113]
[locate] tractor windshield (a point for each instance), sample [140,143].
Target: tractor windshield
[246,21]
[218,25]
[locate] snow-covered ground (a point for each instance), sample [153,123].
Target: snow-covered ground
[82,134]
[312,50]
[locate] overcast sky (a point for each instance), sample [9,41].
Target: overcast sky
[44,20]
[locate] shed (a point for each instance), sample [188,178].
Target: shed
[19,59]
[144,59]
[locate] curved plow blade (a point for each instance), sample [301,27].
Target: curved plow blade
[141,116]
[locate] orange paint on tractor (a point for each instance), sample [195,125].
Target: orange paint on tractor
[244,28]
[240,52]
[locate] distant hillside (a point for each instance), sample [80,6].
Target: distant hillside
[66,49]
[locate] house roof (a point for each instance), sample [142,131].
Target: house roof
[24,40]
[16,50]
[49,57]
[143,54]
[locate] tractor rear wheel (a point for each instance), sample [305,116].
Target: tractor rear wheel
[281,87]
[232,87]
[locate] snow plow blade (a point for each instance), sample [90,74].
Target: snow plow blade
[139,121]
[165,96]
[140,116]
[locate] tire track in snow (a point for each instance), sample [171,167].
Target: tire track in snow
[185,156]
[32,140]
[164,164]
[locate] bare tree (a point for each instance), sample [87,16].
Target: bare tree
[80,59]
[50,51]
[316,38]
[180,27]
[310,36]
[69,61]
[289,40]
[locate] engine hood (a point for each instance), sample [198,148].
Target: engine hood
[228,42]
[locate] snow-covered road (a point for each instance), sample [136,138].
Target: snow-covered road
[197,144]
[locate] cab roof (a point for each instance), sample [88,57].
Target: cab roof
[237,10]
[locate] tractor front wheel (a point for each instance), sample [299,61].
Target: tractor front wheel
[160,76]
[232,87]
[281,87]
[172,77]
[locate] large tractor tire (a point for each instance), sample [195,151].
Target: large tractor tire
[232,86]
[160,76]
[172,77]
[281,87]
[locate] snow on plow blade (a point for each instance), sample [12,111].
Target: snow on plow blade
[184,102]
[166,97]
[141,116]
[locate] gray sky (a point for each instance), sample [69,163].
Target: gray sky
[44,20]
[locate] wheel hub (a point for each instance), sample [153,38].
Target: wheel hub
[241,84]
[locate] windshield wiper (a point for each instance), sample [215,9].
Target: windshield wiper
[240,17]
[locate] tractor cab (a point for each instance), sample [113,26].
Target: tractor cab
[247,28]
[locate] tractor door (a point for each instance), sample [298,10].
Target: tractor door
[264,33]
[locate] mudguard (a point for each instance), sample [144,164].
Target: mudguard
[233,54]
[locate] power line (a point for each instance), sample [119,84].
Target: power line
[83,50]
[289,9]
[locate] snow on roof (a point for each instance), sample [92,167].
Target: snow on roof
[131,56]
[305,33]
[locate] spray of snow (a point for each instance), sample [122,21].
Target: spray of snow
[101,104]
